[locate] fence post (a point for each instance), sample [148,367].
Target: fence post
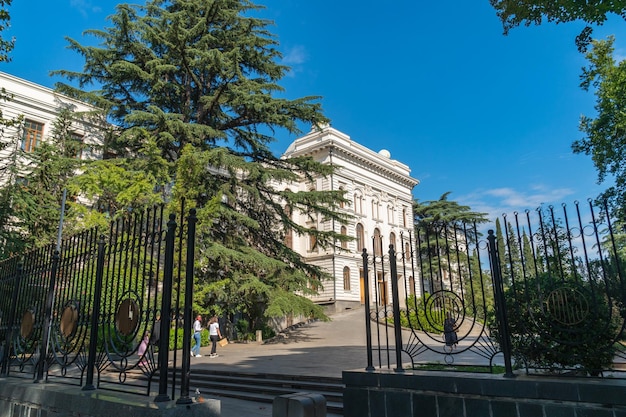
[95,315]
[47,321]
[395,297]
[368,322]
[11,323]
[500,304]
[187,309]
[166,306]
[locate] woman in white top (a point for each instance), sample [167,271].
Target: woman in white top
[214,334]
[197,331]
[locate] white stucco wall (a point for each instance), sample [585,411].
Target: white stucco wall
[42,105]
[376,177]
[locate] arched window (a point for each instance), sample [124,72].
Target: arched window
[344,232]
[390,218]
[375,212]
[360,237]
[378,244]
[358,203]
[404,217]
[346,278]
[392,240]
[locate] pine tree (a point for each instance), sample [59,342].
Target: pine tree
[193,87]
[439,225]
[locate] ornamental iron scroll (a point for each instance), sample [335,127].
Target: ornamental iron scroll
[543,292]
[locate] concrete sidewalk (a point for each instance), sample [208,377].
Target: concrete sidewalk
[314,349]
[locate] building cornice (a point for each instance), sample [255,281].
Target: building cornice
[24,92]
[327,139]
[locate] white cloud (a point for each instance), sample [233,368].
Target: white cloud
[497,201]
[85,7]
[295,56]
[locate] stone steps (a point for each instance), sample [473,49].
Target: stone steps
[265,387]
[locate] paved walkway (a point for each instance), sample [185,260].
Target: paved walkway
[317,348]
[314,349]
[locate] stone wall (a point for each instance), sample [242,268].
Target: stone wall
[19,398]
[456,394]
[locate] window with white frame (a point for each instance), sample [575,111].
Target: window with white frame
[360,237]
[346,278]
[32,135]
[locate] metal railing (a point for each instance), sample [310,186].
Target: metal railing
[89,314]
[544,294]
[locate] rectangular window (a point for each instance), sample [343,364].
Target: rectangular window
[33,133]
[76,145]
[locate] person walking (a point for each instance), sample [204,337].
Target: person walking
[143,347]
[449,332]
[197,331]
[214,335]
[156,332]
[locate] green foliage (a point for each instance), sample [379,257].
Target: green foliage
[417,317]
[558,324]
[605,135]
[30,208]
[243,329]
[245,332]
[458,368]
[514,13]
[438,226]
[176,338]
[114,341]
[6,46]
[193,88]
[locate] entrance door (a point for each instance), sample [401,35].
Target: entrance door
[362,286]
[382,290]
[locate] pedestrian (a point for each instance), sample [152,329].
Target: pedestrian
[156,331]
[449,332]
[143,347]
[197,331]
[215,335]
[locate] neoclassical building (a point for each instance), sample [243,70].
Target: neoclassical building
[380,189]
[39,107]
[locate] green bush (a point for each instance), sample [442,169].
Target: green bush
[576,332]
[417,317]
[244,333]
[176,339]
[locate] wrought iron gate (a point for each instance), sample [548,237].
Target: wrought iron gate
[98,312]
[547,294]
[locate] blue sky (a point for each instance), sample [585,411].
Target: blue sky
[489,117]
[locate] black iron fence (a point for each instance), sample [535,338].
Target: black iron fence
[98,312]
[544,293]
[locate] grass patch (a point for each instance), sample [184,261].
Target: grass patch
[496,369]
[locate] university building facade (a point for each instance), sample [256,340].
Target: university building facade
[380,191]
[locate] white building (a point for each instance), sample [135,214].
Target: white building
[380,189]
[39,107]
